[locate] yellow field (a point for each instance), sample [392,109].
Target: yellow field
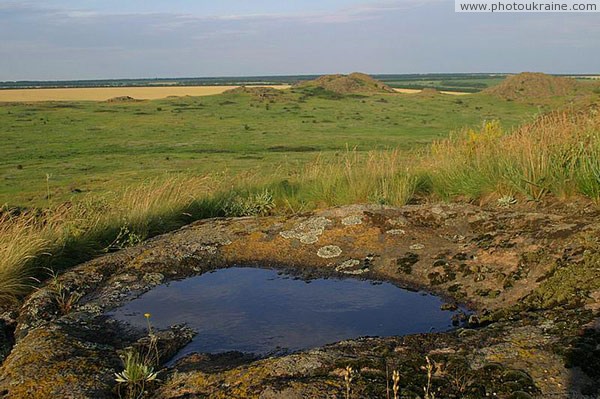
[105,93]
[595,77]
[407,91]
[414,91]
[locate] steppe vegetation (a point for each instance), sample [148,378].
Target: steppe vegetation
[84,178]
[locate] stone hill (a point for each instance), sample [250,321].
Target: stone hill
[355,83]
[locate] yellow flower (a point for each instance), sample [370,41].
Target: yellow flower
[147,315]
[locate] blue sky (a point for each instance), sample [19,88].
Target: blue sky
[87,39]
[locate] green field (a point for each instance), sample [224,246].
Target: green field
[468,83]
[94,146]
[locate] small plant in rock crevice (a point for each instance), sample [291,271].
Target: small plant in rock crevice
[135,377]
[396,385]
[348,375]
[63,297]
[124,239]
[139,368]
[427,390]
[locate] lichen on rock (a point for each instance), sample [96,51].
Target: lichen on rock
[307,232]
[352,267]
[329,251]
[396,232]
[352,220]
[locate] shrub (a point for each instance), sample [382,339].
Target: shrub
[248,204]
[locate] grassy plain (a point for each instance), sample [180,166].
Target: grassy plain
[65,149]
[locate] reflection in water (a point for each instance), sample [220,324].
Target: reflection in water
[259,311]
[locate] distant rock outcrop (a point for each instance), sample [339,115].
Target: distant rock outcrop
[259,93]
[529,86]
[355,83]
[428,92]
[121,99]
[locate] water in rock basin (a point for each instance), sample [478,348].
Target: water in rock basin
[261,311]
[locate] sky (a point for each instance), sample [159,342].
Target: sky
[106,39]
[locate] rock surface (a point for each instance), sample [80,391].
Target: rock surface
[532,277]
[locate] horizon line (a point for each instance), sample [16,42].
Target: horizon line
[283,76]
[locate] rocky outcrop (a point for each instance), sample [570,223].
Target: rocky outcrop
[355,83]
[532,278]
[529,86]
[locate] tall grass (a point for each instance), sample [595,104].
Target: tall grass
[23,240]
[63,235]
[558,154]
[376,177]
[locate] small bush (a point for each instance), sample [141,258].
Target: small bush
[250,204]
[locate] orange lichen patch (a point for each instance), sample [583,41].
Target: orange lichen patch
[357,240]
[258,247]
[65,363]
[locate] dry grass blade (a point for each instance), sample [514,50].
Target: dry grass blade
[23,238]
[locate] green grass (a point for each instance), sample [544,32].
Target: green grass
[445,82]
[67,149]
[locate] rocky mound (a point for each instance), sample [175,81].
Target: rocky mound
[355,83]
[428,92]
[259,93]
[531,86]
[121,99]
[532,276]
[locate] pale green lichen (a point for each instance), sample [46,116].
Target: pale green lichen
[329,251]
[351,267]
[352,220]
[307,232]
[153,278]
[396,232]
